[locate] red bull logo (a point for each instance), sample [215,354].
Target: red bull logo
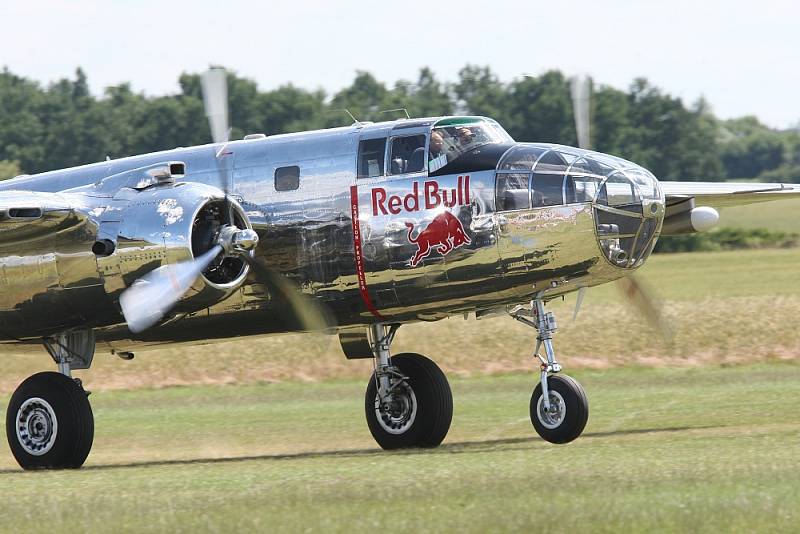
[444,234]
[429,196]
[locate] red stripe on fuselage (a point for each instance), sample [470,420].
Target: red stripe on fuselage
[359,256]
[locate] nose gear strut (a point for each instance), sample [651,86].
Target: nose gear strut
[559,408]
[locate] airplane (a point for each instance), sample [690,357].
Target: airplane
[352,231]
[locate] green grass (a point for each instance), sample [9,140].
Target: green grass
[783,215]
[726,307]
[715,449]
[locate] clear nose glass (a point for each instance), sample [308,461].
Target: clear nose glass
[627,202]
[629,211]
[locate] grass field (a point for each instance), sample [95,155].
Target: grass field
[783,215]
[726,307]
[702,434]
[705,450]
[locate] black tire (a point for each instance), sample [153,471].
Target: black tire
[561,429]
[65,404]
[434,406]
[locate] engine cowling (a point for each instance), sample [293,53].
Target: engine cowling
[169,224]
[87,247]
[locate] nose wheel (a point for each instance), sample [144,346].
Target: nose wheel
[567,414]
[559,408]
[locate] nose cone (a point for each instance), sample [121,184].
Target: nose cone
[628,204]
[629,210]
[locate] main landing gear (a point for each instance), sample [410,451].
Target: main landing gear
[408,401]
[559,408]
[49,422]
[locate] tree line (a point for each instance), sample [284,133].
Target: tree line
[63,124]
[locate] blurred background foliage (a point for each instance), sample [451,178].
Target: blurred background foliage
[63,124]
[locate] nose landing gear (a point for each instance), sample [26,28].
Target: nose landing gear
[559,408]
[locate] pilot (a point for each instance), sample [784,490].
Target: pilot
[437,157]
[436,146]
[465,136]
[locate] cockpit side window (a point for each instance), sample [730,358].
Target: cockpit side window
[407,154]
[371,153]
[548,181]
[512,191]
[453,137]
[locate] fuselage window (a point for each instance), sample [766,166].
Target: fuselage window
[548,190]
[548,181]
[287,178]
[512,191]
[371,154]
[408,154]
[621,193]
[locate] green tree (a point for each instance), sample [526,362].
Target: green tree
[289,109]
[365,98]
[673,142]
[479,92]
[429,97]
[540,109]
[62,125]
[751,148]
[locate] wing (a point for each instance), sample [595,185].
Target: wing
[692,206]
[723,194]
[27,215]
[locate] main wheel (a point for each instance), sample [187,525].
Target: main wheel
[49,423]
[420,410]
[569,410]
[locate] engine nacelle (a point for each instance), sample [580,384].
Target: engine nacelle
[168,224]
[700,219]
[83,249]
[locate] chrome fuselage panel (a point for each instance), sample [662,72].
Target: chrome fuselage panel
[392,248]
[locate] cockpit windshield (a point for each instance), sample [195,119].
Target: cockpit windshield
[453,137]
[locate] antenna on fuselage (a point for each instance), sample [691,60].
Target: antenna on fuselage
[404,110]
[356,122]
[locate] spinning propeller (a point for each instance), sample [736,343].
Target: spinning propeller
[149,299]
[632,289]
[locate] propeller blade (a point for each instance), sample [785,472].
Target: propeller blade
[581,90]
[214,83]
[642,299]
[307,312]
[215,100]
[149,299]
[578,303]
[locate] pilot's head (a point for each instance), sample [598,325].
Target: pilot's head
[464,135]
[437,143]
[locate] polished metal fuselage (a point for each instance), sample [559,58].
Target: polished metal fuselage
[348,241]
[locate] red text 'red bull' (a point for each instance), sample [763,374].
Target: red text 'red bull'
[431,197]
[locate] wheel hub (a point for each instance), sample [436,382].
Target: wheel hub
[399,412]
[37,426]
[552,418]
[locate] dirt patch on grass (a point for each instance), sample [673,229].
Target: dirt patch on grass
[715,331]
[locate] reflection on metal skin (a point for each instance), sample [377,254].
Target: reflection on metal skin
[57,283]
[392,248]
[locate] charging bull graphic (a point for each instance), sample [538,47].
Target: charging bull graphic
[444,233]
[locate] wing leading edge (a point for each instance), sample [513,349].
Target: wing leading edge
[723,194]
